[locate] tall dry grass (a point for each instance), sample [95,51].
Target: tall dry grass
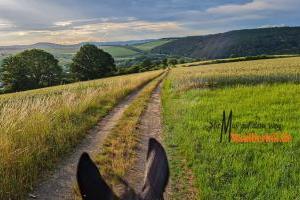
[281,70]
[38,127]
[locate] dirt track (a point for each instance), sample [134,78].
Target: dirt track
[58,186]
[150,126]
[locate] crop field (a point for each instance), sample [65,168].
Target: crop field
[238,59]
[264,96]
[38,127]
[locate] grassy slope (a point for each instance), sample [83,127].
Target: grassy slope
[151,45]
[249,73]
[38,127]
[65,55]
[115,51]
[235,171]
[231,60]
[74,87]
[118,51]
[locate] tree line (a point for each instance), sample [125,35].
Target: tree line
[35,68]
[150,64]
[32,69]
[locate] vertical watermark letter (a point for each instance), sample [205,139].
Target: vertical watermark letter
[226,126]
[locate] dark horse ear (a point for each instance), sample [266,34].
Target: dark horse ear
[90,182]
[157,172]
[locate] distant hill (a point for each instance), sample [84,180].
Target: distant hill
[241,43]
[120,43]
[127,47]
[147,46]
[250,42]
[52,46]
[64,53]
[38,46]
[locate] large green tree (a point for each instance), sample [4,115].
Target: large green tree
[92,63]
[30,69]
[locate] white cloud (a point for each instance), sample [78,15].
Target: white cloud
[254,7]
[28,14]
[272,25]
[132,25]
[98,31]
[63,23]
[4,25]
[9,4]
[94,21]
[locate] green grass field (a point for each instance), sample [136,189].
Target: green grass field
[118,51]
[151,45]
[264,92]
[65,56]
[115,51]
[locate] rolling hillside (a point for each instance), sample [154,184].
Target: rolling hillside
[251,42]
[65,53]
[152,44]
[241,43]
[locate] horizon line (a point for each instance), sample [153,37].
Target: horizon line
[116,41]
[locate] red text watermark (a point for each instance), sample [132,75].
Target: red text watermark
[266,138]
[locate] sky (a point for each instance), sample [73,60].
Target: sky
[75,21]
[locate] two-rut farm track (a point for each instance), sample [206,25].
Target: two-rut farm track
[59,184]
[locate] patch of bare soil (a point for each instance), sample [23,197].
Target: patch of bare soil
[150,126]
[59,184]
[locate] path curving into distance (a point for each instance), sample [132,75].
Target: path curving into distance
[59,185]
[150,126]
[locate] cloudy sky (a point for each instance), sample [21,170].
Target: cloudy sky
[73,21]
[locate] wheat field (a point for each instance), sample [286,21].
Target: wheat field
[38,127]
[280,70]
